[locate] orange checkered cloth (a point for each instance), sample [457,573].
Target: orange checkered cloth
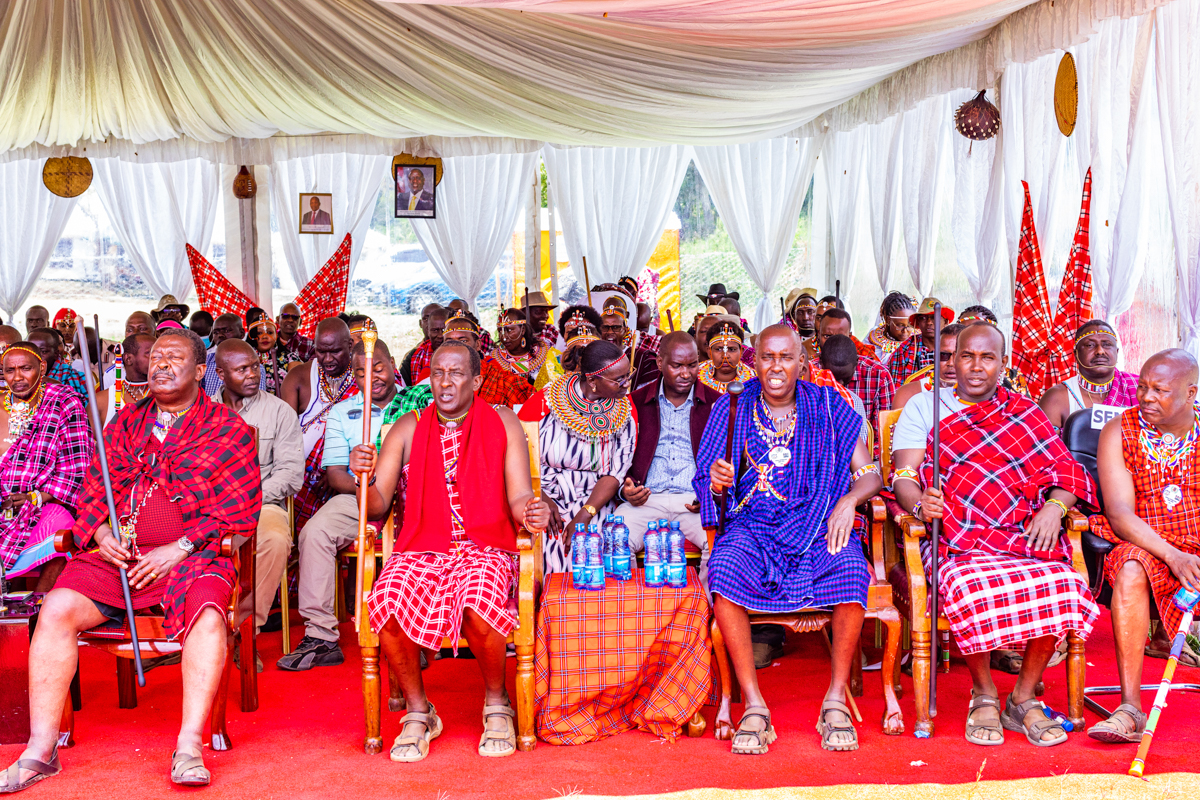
[627,657]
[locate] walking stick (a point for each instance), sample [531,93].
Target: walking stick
[735,390]
[587,281]
[837,290]
[369,336]
[1185,600]
[670,321]
[113,522]
[936,527]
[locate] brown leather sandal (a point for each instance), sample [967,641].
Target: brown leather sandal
[826,729]
[433,729]
[975,727]
[762,739]
[1030,719]
[41,770]
[508,735]
[1107,730]
[182,764]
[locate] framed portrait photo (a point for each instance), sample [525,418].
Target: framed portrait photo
[316,212]
[416,190]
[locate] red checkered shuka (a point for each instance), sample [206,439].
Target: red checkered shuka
[427,593]
[501,386]
[627,657]
[217,295]
[823,377]
[873,384]
[421,359]
[1178,527]
[1031,308]
[324,296]
[1074,298]
[910,357]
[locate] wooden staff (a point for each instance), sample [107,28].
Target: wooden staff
[837,290]
[936,527]
[366,547]
[1185,600]
[735,391]
[670,321]
[113,522]
[587,282]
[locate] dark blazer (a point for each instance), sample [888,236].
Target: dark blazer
[645,404]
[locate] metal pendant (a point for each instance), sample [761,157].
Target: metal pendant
[451,425]
[779,456]
[1172,495]
[1168,439]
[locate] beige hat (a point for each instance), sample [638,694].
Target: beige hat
[794,296]
[926,307]
[715,311]
[169,300]
[537,300]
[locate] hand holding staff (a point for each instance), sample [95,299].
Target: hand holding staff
[936,525]
[113,521]
[735,391]
[366,549]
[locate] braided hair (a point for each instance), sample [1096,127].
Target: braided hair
[894,303]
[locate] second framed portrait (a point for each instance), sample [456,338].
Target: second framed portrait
[416,190]
[316,212]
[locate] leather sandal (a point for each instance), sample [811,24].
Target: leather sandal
[433,729]
[826,729]
[509,735]
[1111,732]
[762,739]
[41,770]
[1030,719]
[182,764]
[974,727]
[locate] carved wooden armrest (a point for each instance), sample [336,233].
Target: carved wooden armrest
[912,527]
[524,539]
[914,531]
[1076,521]
[64,542]
[878,509]
[228,547]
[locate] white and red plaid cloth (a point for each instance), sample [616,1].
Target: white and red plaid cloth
[217,295]
[1074,298]
[427,593]
[1031,308]
[324,296]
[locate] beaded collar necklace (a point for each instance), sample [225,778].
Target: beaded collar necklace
[164,420]
[590,420]
[522,365]
[708,376]
[21,412]
[1096,388]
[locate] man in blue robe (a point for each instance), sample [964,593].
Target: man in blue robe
[789,541]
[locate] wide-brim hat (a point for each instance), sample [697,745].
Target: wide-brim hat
[718,290]
[926,307]
[794,296]
[536,300]
[168,300]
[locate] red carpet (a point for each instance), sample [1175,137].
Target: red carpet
[306,739]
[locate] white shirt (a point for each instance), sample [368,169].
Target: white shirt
[916,420]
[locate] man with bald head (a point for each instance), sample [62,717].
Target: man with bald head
[58,370]
[295,345]
[280,463]
[312,389]
[415,367]
[139,322]
[671,414]
[1150,476]
[37,317]
[789,542]
[1006,576]
[486,343]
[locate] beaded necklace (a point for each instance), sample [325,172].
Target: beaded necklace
[708,376]
[1095,388]
[591,420]
[328,397]
[1169,456]
[164,421]
[778,435]
[527,364]
[21,412]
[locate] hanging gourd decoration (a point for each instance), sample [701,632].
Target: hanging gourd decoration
[68,176]
[244,186]
[1066,95]
[977,118]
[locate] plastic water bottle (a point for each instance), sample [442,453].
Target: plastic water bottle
[1185,599]
[622,558]
[580,577]
[606,531]
[676,558]
[595,557]
[655,574]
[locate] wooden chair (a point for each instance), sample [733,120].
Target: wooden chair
[153,642]
[911,592]
[879,607]
[529,551]
[285,602]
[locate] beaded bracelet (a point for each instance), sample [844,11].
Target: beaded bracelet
[36,499]
[916,511]
[864,470]
[906,474]
[1058,503]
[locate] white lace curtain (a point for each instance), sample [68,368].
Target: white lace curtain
[846,167]
[614,203]
[156,209]
[34,219]
[353,180]
[478,201]
[758,189]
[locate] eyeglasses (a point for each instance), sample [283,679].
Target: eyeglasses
[622,381]
[944,356]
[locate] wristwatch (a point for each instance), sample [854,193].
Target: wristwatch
[590,509]
[186,545]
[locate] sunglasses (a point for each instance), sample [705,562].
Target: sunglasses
[945,356]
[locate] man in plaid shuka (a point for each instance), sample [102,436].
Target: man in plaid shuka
[453,568]
[1005,575]
[184,474]
[1149,465]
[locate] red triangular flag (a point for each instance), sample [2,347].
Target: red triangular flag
[325,295]
[1074,298]
[217,295]
[1031,307]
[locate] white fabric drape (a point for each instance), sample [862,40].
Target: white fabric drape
[845,178]
[478,201]
[1177,78]
[884,160]
[353,180]
[155,210]
[34,219]
[614,203]
[977,218]
[758,190]
[927,170]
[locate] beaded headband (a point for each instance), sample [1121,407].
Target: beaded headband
[33,351]
[805,300]
[969,318]
[605,368]
[1096,330]
[616,310]
[262,321]
[577,315]
[725,333]
[461,321]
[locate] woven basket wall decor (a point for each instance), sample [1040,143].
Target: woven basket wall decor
[1066,95]
[68,176]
